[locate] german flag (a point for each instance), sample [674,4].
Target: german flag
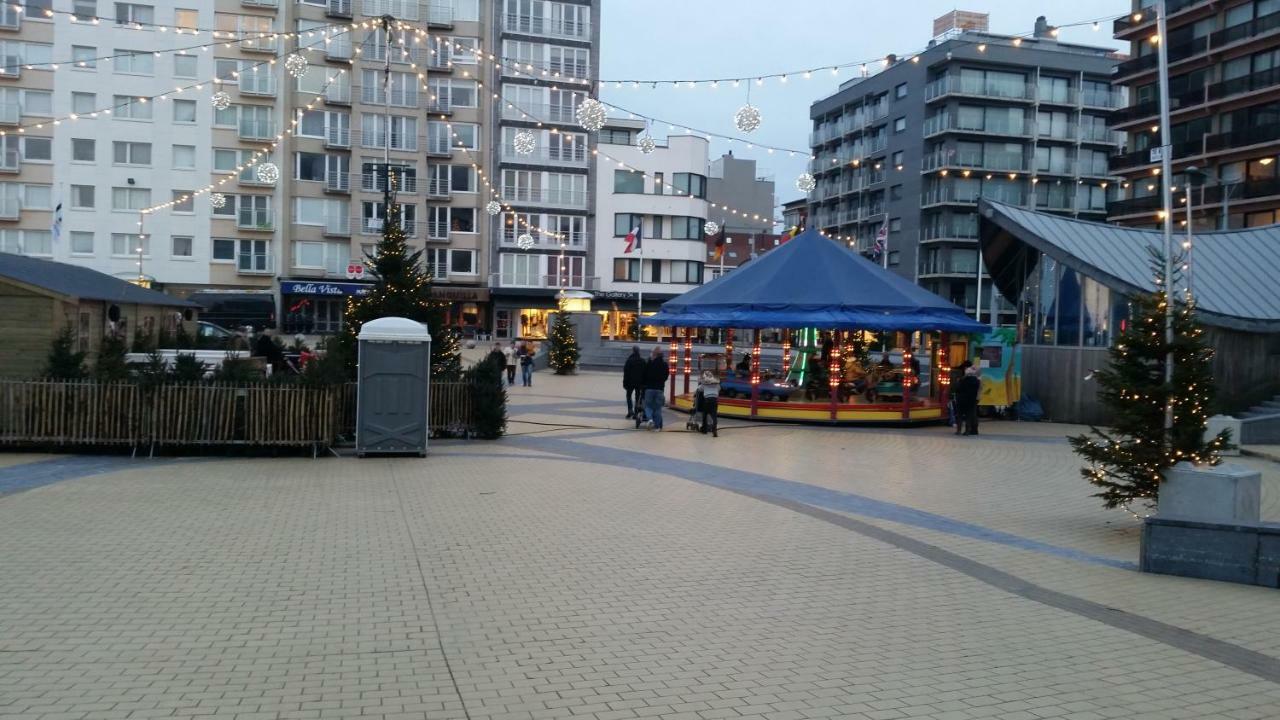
[720,243]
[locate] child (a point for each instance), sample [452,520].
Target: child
[709,387]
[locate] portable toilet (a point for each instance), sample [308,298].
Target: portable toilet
[393,390]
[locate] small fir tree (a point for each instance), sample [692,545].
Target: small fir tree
[402,288]
[63,362]
[1127,461]
[564,352]
[111,365]
[489,407]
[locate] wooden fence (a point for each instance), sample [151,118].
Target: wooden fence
[451,409]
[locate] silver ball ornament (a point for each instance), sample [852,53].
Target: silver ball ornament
[805,183]
[267,173]
[646,143]
[525,241]
[220,100]
[711,228]
[296,65]
[492,207]
[524,142]
[592,114]
[217,200]
[747,119]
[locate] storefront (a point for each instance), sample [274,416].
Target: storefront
[617,312]
[311,307]
[467,310]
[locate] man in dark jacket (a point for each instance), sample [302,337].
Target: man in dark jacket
[633,383]
[967,391]
[655,381]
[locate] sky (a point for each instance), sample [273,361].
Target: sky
[690,39]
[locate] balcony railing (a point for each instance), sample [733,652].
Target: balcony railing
[10,208]
[260,3]
[1243,31]
[254,43]
[1242,138]
[999,191]
[563,29]
[1053,96]
[376,182]
[257,128]
[336,94]
[1177,53]
[437,230]
[338,8]
[1248,190]
[338,47]
[337,137]
[337,226]
[563,114]
[959,228]
[337,182]
[256,219]
[441,58]
[248,263]
[948,122]
[438,187]
[258,84]
[1261,80]
[10,162]
[1098,134]
[1180,150]
[978,87]
[1101,99]
[440,15]
[949,266]
[575,240]
[977,160]
[572,281]
[575,157]
[1147,15]
[439,147]
[558,198]
[10,113]
[373,226]
[1135,206]
[249,176]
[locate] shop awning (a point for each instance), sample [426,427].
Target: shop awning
[813,282]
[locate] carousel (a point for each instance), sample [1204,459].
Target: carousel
[852,337]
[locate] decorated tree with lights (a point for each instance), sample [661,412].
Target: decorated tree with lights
[1127,461]
[563,353]
[402,288]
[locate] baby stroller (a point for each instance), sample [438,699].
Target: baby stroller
[694,423]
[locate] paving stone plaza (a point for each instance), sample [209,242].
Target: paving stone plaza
[582,569]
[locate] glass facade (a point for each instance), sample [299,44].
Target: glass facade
[1059,306]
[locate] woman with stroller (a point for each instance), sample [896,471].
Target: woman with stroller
[709,404]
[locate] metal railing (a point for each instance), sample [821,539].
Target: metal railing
[258,84]
[978,87]
[950,122]
[255,263]
[260,3]
[10,208]
[10,161]
[339,225]
[559,198]
[339,182]
[251,128]
[949,266]
[256,219]
[437,230]
[542,112]
[575,157]
[567,29]
[376,182]
[253,43]
[338,8]
[338,94]
[338,47]
[336,137]
[10,113]
[977,160]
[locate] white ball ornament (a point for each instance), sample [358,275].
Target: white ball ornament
[711,228]
[592,114]
[747,119]
[492,207]
[267,173]
[220,100]
[524,142]
[646,143]
[296,65]
[805,183]
[525,241]
[218,200]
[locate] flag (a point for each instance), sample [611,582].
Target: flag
[633,240]
[882,239]
[790,233]
[720,243]
[56,228]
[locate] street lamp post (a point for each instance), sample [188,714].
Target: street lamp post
[1166,170]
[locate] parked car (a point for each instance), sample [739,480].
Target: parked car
[209,333]
[237,309]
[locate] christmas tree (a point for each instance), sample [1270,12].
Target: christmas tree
[563,354]
[64,362]
[1127,461]
[402,288]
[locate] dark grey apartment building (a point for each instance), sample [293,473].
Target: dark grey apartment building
[1224,96]
[912,146]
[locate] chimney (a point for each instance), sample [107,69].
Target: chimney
[893,59]
[1042,27]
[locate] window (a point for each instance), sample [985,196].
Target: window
[657,227]
[84,10]
[624,223]
[129,244]
[895,192]
[403,131]
[224,249]
[311,123]
[627,181]
[657,183]
[686,228]
[133,62]
[83,150]
[182,246]
[404,89]
[128,108]
[897,159]
[27,242]
[900,91]
[462,220]
[572,227]
[183,202]
[462,262]
[84,56]
[186,19]
[131,153]
[331,257]
[900,124]
[894,256]
[184,111]
[895,225]
[226,160]
[81,243]
[82,103]
[127,13]
[462,178]
[130,198]
[82,197]
[690,184]
[309,166]
[184,157]
[628,270]
[227,70]
[184,66]
[468,136]
[686,271]
[520,269]
[37,149]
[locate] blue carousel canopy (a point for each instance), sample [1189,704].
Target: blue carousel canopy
[813,282]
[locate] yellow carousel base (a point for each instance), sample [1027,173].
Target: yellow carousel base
[917,413]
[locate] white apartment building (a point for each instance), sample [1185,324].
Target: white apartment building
[285,245]
[667,199]
[550,64]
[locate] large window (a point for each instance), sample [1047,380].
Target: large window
[130,198]
[628,270]
[131,153]
[686,272]
[628,181]
[520,270]
[134,62]
[690,184]
[686,228]
[624,223]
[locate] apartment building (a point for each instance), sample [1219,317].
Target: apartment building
[286,244]
[667,200]
[1224,96]
[737,182]
[911,147]
[550,64]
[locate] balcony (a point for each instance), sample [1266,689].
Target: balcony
[337,182]
[338,48]
[249,177]
[440,106]
[1243,31]
[441,59]
[438,147]
[374,225]
[272,4]
[249,263]
[372,52]
[10,113]
[948,122]
[999,191]
[437,230]
[262,42]
[949,267]
[336,94]
[1067,96]
[440,15]
[337,137]
[563,29]
[978,87]
[10,208]
[438,187]
[964,227]
[991,161]
[1135,206]
[1149,109]
[1259,135]
[1140,158]
[375,182]
[338,8]
[10,162]
[337,226]
[576,241]
[575,199]
[1098,134]
[1147,15]
[541,112]
[1261,80]
[1240,191]
[1177,53]
[572,281]
[258,220]
[256,128]
[1106,100]
[575,156]
[260,84]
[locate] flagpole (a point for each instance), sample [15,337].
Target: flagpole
[640,293]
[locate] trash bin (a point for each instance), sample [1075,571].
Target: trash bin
[393,391]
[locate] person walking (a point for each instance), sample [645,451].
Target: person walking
[655,382]
[967,392]
[509,355]
[633,383]
[709,386]
[526,365]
